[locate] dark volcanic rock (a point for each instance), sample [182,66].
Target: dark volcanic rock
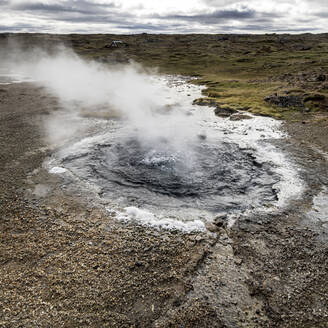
[321,78]
[285,101]
[219,111]
[224,111]
[205,102]
[221,221]
[315,97]
[239,117]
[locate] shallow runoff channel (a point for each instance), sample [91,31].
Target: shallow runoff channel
[195,166]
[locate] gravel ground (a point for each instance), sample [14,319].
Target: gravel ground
[66,263]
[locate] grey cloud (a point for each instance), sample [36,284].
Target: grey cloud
[220,3]
[273,29]
[221,16]
[42,7]
[321,15]
[81,6]
[92,16]
[82,11]
[251,19]
[260,28]
[99,19]
[21,27]
[149,27]
[216,16]
[70,11]
[295,30]
[317,2]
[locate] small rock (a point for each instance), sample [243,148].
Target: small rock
[285,101]
[212,227]
[220,220]
[199,238]
[321,78]
[239,117]
[224,111]
[177,302]
[238,261]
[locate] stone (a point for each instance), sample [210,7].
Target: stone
[212,227]
[239,117]
[220,220]
[224,111]
[285,101]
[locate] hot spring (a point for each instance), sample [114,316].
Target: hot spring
[135,143]
[175,178]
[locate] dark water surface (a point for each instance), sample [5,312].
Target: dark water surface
[212,177]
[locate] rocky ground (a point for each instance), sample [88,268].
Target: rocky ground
[65,263]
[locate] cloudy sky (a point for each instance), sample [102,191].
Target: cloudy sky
[164,16]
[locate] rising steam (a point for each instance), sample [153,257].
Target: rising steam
[93,89]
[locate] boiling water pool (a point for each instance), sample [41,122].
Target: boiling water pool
[192,168]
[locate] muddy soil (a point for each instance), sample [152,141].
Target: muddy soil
[65,262]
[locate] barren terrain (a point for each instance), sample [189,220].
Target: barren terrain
[65,262]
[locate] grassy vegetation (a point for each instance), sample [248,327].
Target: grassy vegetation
[240,71]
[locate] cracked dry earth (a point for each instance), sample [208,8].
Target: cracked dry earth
[66,263]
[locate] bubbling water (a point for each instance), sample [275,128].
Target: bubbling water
[136,140]
[216,177]
[220,165]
